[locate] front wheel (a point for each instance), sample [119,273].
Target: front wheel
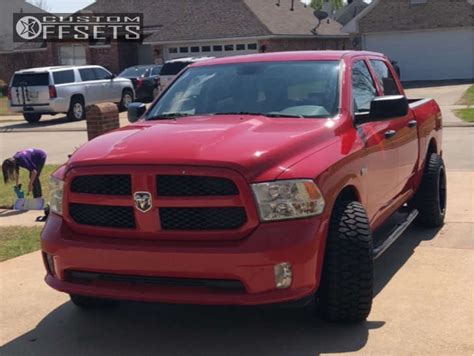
[431,197]
[77,110]
[127,99]
[32,118]
[90,302]
[347,280]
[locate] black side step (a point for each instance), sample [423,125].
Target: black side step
[395,234]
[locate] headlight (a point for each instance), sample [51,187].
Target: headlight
[288,199]
[56,187]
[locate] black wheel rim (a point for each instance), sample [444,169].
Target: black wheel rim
[442,191]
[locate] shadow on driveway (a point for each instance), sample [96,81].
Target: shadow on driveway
[151,329]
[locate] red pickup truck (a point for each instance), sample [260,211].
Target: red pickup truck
[259,179]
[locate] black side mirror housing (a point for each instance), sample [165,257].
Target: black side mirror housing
[135,111]
[384,108]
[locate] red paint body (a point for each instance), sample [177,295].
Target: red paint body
[382,173]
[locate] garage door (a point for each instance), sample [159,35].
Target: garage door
[428,55]
[211,49]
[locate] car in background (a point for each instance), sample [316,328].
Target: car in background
[145,79]
[66,89]
[172,67]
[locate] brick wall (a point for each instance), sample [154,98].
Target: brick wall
[106,56]
[401,15]
[279,45]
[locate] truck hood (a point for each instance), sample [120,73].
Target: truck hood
[256,146]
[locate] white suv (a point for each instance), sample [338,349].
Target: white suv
[66,89]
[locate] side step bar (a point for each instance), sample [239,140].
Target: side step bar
[395,234]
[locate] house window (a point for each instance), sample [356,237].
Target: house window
[229,47]
[194,49]
[183,49]
[206,48]
[172,50]
[72,55]
[217,48]
[240,47]
[252,46]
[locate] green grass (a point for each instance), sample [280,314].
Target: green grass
[18,240]
[4,107]
[465,114]
[468,97]
[7,196]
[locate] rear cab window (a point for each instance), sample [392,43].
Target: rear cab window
[385,78]
[30,79]
[64,77]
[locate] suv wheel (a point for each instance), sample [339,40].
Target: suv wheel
[32,118]
[127,99]
[430,199]
[76,110]
[90,302]
[346,284]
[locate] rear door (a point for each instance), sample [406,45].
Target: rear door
[381,155]
[406,137]
[30,89]
[93,88]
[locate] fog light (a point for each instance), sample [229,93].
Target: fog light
[283,275]
[49,261]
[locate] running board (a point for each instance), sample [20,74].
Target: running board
[396,233]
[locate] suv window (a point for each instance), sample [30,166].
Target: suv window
[101,74]
[31,80]
[363,88]
[87,74]
[63,77]
[156,70]
[385,78]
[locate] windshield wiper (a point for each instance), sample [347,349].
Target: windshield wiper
[167,116]
[258,114]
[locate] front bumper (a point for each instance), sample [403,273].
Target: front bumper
[250,261]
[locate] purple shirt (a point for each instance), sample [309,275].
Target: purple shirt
[30,159]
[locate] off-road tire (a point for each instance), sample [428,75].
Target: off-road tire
[430,199]
[84,302]
[32,118]
[72,114]
[122,106]
[347,280]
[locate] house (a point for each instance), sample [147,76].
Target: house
[430,39]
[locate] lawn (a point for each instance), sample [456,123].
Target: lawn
[7,196]
[466,114]
[18,240]
[3,106]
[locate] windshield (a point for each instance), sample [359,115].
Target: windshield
[298,88]
[134,72]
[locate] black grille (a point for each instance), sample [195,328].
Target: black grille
[103,184]
[179,186]
[88,277]
[101,215]
[202,218]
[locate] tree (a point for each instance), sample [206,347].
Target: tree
[318,4]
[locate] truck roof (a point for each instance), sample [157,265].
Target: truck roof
[286,56]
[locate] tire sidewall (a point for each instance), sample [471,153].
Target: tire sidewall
[71,114]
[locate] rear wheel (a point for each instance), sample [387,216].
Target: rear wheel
[90,302]
[32,118]
[430,199]
[77,110]
[346,285]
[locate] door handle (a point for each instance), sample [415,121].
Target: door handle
[390,133]
[412,123]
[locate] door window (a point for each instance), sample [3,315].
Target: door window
[87,74]
[385,78]
[63,77]
[363,88]
[101,74]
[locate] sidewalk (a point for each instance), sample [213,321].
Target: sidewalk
[23,218]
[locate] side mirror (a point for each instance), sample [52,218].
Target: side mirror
[112,77]
[385,107]
[135,111]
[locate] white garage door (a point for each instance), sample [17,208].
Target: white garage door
[211,49]
[428,55]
